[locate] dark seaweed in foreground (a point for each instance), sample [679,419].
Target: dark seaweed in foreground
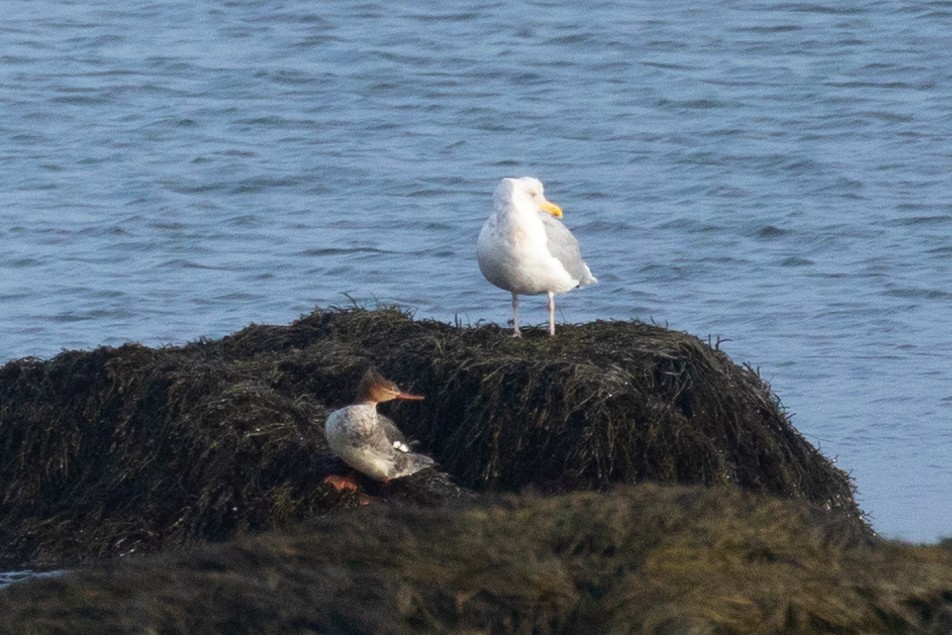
[636,559]
[114,450]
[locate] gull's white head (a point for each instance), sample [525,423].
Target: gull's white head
[524,194]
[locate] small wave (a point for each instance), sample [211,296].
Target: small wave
[339,251]
[924,294]
[79,100]
[767,30]
[794,261]
[768,232]
[826,9]
[692,104]
[12,577]
[921,220]
[250,186]
[182,263]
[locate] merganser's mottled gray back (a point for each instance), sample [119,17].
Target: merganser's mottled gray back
[369,442]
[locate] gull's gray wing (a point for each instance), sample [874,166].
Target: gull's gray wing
[564,247]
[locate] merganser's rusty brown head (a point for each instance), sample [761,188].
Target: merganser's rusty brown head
[375,388]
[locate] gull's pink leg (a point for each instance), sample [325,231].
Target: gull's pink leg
[515,316]
[551,313]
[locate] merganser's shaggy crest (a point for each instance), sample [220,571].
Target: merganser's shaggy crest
[370,442]
[523,247]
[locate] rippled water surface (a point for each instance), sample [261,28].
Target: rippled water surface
[22,575]
[778,174]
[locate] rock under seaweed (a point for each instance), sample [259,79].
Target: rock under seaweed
[128,449]
[632,559]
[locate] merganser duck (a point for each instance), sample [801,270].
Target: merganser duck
[368,441]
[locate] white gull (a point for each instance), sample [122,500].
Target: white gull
[524,249]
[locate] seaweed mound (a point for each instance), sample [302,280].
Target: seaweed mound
[131,448]
[635,559]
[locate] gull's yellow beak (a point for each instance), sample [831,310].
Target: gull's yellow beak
[551,208]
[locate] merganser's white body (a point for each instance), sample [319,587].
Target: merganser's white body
[370,442]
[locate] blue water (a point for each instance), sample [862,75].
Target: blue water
[776,174]
[22,575]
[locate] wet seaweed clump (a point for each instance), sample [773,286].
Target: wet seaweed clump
[127,449]
[633,559]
